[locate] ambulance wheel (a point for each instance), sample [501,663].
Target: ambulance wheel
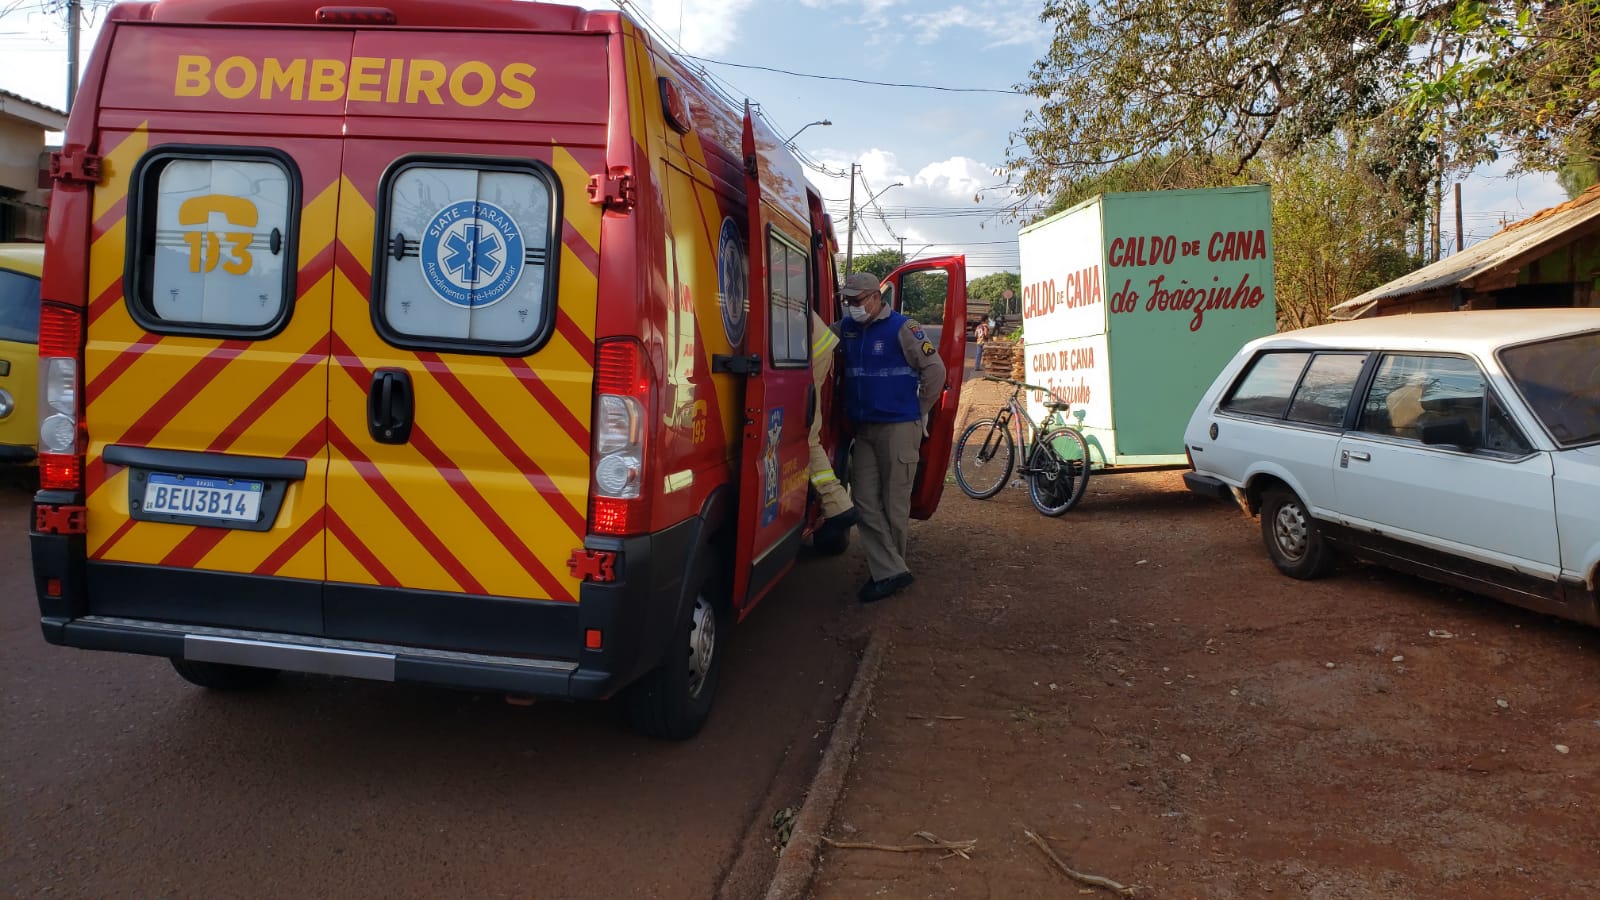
[674,699]
[831,543]
[223,677]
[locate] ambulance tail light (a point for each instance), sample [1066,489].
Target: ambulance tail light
[60,410]
[622,396]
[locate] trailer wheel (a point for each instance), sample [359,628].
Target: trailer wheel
[674,699]
[223,677]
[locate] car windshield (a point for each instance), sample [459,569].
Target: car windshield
[1560,379]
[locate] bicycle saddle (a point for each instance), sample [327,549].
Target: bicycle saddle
[1057,404]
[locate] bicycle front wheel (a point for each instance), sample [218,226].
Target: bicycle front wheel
[1058,473]
[985,456]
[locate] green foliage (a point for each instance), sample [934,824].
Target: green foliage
[878,262]
[1338,230]
[924,291]
[986,294]
[1517,77]
[1163,172]
[1197,84]
[925,295]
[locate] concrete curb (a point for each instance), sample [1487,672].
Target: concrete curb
[797,863]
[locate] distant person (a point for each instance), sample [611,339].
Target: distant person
[981,336]
[838,513]
[892,377]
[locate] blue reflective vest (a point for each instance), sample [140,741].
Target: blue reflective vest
[880,386]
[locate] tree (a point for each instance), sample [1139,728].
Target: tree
[1433,86]
[987,293]
[1503,76]
[1206,83]
[1152,173]
[1337,231]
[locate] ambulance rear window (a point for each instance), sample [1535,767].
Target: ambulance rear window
[467,255]
[212,241]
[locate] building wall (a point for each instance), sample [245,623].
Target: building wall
[21,149]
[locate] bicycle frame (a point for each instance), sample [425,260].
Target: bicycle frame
[1027,430]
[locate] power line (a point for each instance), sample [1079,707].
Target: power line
[896,84]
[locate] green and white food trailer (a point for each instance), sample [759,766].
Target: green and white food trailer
[1131,304]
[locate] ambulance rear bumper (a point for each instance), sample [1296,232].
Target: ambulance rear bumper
[514,645]
[352,659]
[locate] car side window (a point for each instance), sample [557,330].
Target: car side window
[1409,392]
[1325,389]
[1266,386]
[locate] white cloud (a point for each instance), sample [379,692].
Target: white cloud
[932,209]
[700,27]
[1002,24]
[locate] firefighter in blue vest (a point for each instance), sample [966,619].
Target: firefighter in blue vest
[892,377]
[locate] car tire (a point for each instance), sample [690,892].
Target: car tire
[673,700]
[224,677]
[1294,539]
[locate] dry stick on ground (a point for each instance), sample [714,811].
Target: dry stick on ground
[958,848]
[940,718]
[1094,880]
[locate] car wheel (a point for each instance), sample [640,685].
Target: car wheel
[1294,539]
[223,677]
[674,699]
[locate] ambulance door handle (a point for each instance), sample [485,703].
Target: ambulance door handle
[390,406]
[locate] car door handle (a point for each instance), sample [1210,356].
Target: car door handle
[1358,455]
[390,406]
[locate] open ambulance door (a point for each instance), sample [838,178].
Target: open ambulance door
[914,280]
[773,473]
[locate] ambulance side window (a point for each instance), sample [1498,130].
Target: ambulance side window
[466,255]
[211,243]
[789,310]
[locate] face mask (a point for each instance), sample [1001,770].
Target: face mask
[858,313]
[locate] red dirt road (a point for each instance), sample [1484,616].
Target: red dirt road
[1136,683]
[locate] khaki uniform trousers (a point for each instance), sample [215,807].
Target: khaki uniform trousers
[883,466]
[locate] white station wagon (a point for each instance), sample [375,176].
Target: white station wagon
[1463,447]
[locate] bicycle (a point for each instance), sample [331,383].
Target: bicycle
[1056,465]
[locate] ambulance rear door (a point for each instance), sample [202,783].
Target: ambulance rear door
[463,338]
[210,272]
[777,360]
[939,283]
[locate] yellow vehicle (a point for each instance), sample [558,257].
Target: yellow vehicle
[20,266]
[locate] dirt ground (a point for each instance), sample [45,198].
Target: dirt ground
[1135,683]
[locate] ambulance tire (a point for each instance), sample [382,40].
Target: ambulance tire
[831,544]
[673,700]
[223,677]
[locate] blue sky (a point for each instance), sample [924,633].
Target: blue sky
[942,146]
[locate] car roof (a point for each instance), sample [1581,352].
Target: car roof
[25,258]
[1478,331]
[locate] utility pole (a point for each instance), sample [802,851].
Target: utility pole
[1459,233]
[74,13]
[850,229]
[902,251]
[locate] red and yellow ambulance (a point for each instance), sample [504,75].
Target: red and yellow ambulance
[439,341]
